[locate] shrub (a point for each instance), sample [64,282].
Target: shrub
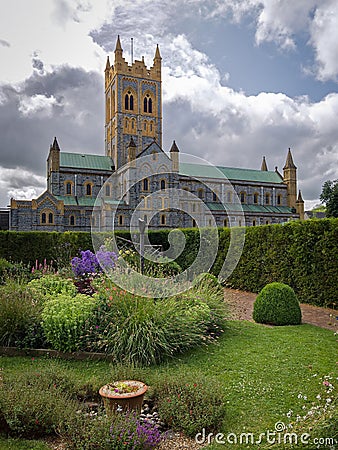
[49,285]
[63,318]
[126,432]
[20,314]
[277,304]
[144,331]
[34,405]
[190,405]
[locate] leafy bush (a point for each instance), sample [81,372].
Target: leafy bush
[144,331]
[126,432]
[190,405]
[63,318]
[277,304]
[34,405]
[20,313]
[50,285]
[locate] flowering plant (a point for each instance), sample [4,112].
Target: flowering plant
[129,433]
[91,263]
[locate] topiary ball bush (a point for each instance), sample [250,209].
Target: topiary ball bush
[277,304]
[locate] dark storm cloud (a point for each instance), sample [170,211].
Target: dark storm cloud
[75,116]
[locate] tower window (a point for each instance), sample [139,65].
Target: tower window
[129,101]
[147,104]
[145,184]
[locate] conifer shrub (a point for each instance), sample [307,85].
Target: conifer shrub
[277,304]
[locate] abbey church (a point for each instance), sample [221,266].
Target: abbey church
[135,178]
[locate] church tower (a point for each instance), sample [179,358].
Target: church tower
[133,96]
[290,178]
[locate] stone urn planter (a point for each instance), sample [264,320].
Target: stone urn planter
[123,395]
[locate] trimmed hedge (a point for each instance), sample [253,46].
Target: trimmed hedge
[303,255]
[277,304]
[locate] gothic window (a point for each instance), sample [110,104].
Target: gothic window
[50,218]
[242,197]
[129,101]
[145,184]
[107,190]
[267,198]
[68,188]
[163,219]
[162,185]
[229,197]
[200,193]
[147,104]
[279,199]
[88,189]
[72,220]
[43,218]
[256,197]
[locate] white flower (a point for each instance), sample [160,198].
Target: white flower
[299,395]
[319,397]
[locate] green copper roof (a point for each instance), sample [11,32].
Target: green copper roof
[78,201]
[67,199]
[84,161]
[230,173]
[236,207]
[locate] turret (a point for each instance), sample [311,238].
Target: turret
[300,206]
[53,162]
[119,60]
[174,156]
[264,166]
[290,178]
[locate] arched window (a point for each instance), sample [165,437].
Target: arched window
[163,219]
[225,223]
[50,218]
[147,104]
[256,198]
[229,197]
[193,223]
[279,199]
[88,189]
[107,190]
[120,219]
[68,188]
[254,223]
[129,101]
[267,198]
[200,193]
[72,220]
[43,218]
[214,197]
[145,184]
[239,223]
[242,197]
[162,185]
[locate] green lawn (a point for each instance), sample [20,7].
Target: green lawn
[262,371]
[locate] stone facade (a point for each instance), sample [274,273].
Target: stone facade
[137,179]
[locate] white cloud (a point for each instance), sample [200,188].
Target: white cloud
[37,104]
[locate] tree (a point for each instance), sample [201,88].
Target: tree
[329,197]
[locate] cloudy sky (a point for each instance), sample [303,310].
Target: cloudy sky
[241,79]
